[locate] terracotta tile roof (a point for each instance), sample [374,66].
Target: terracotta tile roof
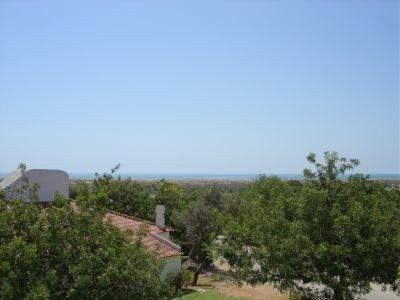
[156,244]
[160,247]
[128,222]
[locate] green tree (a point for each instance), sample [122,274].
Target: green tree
[25,190]
[172,196]
[116,193]
[214,197]
[55,252]
[197,222]
[340,234]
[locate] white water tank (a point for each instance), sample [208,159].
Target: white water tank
[16,185]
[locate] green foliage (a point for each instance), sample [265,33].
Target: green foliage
[130,197]
[171,286]
[79,189]
[209,295]
[115,193]
[172,196]
[213,197]
[53,252]
[197,221]
[186,278]
[190,212]
[340,234]
[26,190]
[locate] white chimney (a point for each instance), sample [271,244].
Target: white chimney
[160,219]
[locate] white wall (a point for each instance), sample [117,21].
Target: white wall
[49,181]
[172,265]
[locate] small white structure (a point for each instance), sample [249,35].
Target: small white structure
[17,185]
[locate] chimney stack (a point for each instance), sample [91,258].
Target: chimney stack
[160,218]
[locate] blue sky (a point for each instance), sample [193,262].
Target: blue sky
[198,87]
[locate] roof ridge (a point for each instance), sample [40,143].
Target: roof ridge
[130,217]
[118,213]
[175,250]
[166,228]
[165,241]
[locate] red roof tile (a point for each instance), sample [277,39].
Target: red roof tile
[161,247]
[127,222]
[157,245]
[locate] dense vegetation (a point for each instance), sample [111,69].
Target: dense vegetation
[342,235]
[188,211]
[323,237]
[52,252]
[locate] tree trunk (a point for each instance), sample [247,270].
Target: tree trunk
[194,252]
[197,273]
[338,294]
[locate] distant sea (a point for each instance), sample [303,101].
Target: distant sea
[171,176]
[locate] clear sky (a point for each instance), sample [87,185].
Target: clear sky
[197,86]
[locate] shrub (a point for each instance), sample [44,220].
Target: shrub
[54,252]
[186,278]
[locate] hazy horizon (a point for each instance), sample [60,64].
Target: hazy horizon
[203,176]
[202,88]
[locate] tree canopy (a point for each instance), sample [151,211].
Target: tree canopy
[327,238]
[54,252]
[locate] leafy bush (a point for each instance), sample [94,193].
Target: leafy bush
[340,234]
[186,278]
[54,252]
[115,193]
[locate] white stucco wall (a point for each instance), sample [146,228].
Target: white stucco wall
[49,181]
[172,265]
